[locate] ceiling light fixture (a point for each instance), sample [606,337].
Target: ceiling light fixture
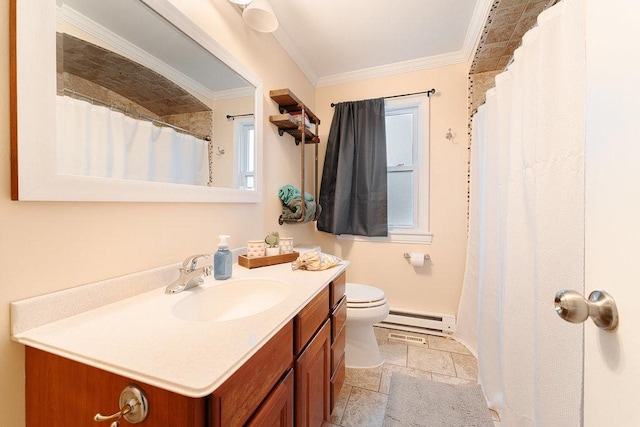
[241,2]
[260,16]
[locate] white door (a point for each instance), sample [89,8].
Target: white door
[612,226]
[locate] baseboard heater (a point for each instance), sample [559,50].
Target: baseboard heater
[421,322]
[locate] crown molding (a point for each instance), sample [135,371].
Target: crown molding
[290,47]
[234,93]
[395,68]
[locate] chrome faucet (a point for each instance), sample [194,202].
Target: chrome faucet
[190,276]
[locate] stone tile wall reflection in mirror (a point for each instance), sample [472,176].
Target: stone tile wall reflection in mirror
[138,99]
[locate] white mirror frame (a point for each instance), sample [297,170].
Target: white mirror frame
[33,119]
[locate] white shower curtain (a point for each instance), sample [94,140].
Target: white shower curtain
[526,227]
[96,141]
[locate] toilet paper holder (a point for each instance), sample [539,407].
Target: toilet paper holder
[407,256]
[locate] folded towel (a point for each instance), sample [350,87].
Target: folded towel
[288,192]
[293,210]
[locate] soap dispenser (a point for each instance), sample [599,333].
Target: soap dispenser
[222,259]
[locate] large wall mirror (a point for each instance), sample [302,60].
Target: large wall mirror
[128,100]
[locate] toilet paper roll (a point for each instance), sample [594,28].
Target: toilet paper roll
[416,259]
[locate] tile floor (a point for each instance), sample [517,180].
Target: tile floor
[363,398]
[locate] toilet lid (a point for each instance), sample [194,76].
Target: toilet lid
[360,295]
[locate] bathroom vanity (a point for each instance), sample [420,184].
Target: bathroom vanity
[283,366]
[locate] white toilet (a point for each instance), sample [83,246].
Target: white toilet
[366,305]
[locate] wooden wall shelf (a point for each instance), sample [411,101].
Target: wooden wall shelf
[288,102]
[289,124]
[300,122]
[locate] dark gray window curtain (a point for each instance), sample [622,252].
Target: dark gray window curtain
[353,191]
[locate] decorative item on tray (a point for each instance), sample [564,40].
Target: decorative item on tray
[272,241]
[315,261]
[255,248]
[286,245]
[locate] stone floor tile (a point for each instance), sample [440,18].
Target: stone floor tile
[436,361]
[341,404]
[363,399]
[466,366]
[394,353]
[447,344]
[364,378]
[364,408]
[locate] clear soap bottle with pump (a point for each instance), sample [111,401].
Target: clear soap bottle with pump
[222,260]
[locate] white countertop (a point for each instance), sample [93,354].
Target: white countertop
[138,337]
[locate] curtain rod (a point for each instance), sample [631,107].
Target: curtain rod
[133,113]
[428,92]
[233,117]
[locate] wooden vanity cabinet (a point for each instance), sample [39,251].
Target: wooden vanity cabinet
[338,303]
[63,393]
[294,379]
[319,346]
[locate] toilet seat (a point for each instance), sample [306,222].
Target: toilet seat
[364,296]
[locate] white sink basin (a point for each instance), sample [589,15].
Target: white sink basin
[231,300]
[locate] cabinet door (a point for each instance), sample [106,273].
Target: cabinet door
[61,392]
[337,381]
[277,409]
[309,320]
[241,395]
[313,380]
[338,319]
[338,287]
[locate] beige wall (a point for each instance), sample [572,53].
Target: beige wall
[48,246]
[435,287]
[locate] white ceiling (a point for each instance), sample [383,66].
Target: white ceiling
[337,41]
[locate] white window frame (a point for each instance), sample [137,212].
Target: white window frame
[420,233]
[241,124]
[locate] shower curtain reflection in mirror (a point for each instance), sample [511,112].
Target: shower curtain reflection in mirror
[96,141]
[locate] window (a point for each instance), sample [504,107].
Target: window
[245,137]
[407,128]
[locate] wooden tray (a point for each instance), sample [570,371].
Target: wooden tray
[265,261]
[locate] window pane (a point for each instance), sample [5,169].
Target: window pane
[400,198]
[399,139]
[246,155]
[251,149]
